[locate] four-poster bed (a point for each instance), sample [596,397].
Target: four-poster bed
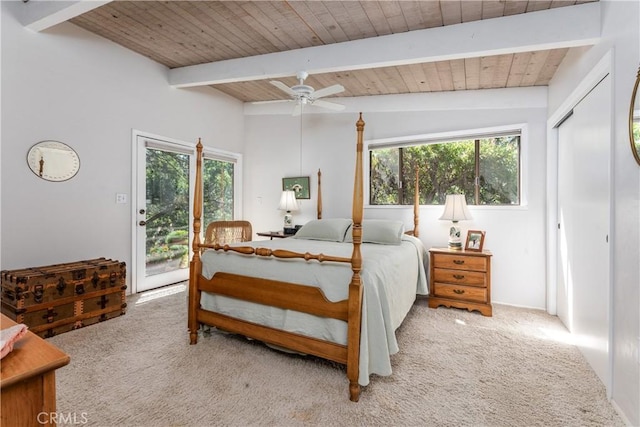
[290,293]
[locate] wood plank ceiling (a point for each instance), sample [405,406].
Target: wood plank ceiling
[182,33]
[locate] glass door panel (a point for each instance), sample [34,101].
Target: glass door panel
[163,220]
[218,189]
[167,223]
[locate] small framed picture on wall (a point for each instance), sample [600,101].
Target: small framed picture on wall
[300,185]
[475,241]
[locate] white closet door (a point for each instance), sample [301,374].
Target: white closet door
[584,215]
[565,221]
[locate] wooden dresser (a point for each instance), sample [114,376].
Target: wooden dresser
[28,382]
[460,279]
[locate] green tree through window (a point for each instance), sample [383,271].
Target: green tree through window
[486,170]
[217,186]
[168,204]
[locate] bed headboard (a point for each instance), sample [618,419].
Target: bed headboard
[416,204]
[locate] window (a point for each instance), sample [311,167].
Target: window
[218,189]
[485,168]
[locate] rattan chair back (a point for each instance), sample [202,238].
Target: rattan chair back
[224,232]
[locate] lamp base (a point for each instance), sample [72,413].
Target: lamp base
[455,242]
[455,246]
[288,220]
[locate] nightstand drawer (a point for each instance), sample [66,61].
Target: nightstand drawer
[462,277]
[460,262]
[468,293]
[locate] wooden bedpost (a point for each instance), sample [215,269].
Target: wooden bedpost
[355,287]
[319,215]
[416,206]
[196,263]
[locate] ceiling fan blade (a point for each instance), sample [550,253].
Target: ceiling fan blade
[283,87]
[272,101]
[329,105]
[331,90]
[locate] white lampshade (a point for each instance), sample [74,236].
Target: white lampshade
[288,203]
[455,209]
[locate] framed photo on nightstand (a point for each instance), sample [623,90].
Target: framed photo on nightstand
[475,241]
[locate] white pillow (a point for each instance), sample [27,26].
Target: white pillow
[332,229]
[382,231]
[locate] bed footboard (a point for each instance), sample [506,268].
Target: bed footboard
[284,295]
[288,296]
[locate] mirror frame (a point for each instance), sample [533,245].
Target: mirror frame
[66,167]
[634,95]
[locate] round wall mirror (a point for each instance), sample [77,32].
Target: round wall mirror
[634,120]
[53,161]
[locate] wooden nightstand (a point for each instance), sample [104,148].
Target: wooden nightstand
[460,279]
[272,234]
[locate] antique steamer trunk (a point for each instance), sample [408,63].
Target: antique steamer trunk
[58,298]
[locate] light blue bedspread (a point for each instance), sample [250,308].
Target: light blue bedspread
[392,276]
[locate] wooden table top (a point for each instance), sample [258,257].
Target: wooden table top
[31,356]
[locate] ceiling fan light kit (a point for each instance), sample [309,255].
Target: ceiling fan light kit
[303,94]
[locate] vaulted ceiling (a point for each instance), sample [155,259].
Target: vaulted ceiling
[370,47]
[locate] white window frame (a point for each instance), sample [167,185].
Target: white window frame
[236,158]
[426,138]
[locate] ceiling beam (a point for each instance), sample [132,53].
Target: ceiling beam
[470,100]
[43,14]
[561,27]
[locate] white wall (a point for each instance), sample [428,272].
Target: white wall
[68,85]
[515,235]
[621,39]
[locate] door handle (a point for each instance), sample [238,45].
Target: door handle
[143,223]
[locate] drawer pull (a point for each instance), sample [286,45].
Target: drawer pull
[458,261]
[458,291]
[458,276]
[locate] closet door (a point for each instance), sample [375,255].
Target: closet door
[584,222]
[565,221]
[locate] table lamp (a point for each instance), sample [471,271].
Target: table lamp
[288,203]
[455,209]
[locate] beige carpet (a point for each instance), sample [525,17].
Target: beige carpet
[455,368]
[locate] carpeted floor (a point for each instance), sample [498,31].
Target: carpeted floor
[455,368]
